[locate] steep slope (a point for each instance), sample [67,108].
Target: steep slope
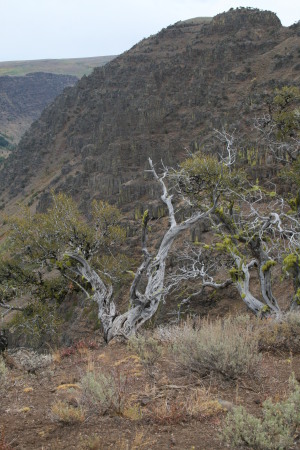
[161,97]
[22,100]
[27,87]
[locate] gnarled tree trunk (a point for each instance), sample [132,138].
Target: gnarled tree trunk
[142,305]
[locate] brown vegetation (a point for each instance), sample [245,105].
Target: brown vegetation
[108,398]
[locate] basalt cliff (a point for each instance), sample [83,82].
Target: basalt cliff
[23,98]
[160,99]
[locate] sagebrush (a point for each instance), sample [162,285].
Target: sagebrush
[147,348]
[105,392]
[276,430]
[227,347]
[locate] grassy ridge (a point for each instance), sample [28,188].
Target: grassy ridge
[72,66]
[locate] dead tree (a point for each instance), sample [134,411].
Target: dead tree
[143,305]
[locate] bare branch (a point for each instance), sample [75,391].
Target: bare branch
[11,308]
[166,198]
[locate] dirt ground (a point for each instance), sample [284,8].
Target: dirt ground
[27,422]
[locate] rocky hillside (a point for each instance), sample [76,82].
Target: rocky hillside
[27,87]
[22,99]
[162,97]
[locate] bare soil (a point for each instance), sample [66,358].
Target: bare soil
[26,420]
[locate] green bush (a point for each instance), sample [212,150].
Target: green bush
[276,429]
[39,324]
[225,347]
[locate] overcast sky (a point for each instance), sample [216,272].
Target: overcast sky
[42,29]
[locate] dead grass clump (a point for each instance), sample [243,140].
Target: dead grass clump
[199,404]
[138,442]
[66,414]
[168,411]
[226,347]
[105,392]
[196,405]
[132,411]
[93,442]
[280,336]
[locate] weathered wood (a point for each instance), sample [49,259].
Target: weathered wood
[142,305]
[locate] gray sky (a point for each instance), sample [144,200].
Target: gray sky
[42,29]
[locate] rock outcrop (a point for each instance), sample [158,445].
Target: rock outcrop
[22,99]
[164,96]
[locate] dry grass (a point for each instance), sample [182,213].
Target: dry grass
[147,348]
[280,336]
[138,442]
[92,442]
[168,411]
[67,415]
[226,347]
[3,444]
[3,376]
[197,404]
[105,393]
[3,370]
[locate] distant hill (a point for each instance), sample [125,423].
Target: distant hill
[72,66]
[27,87]
[22,99]
[162,98]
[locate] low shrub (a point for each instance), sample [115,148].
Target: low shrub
[148,349]
[3,370]
[66,414]
[31,360]
[81,347]
[276,430]
[226,347]
[283,335]
[3,376]
[105,392]
[38,326]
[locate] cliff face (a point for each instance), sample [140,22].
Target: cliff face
[161,97]
[22,99]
